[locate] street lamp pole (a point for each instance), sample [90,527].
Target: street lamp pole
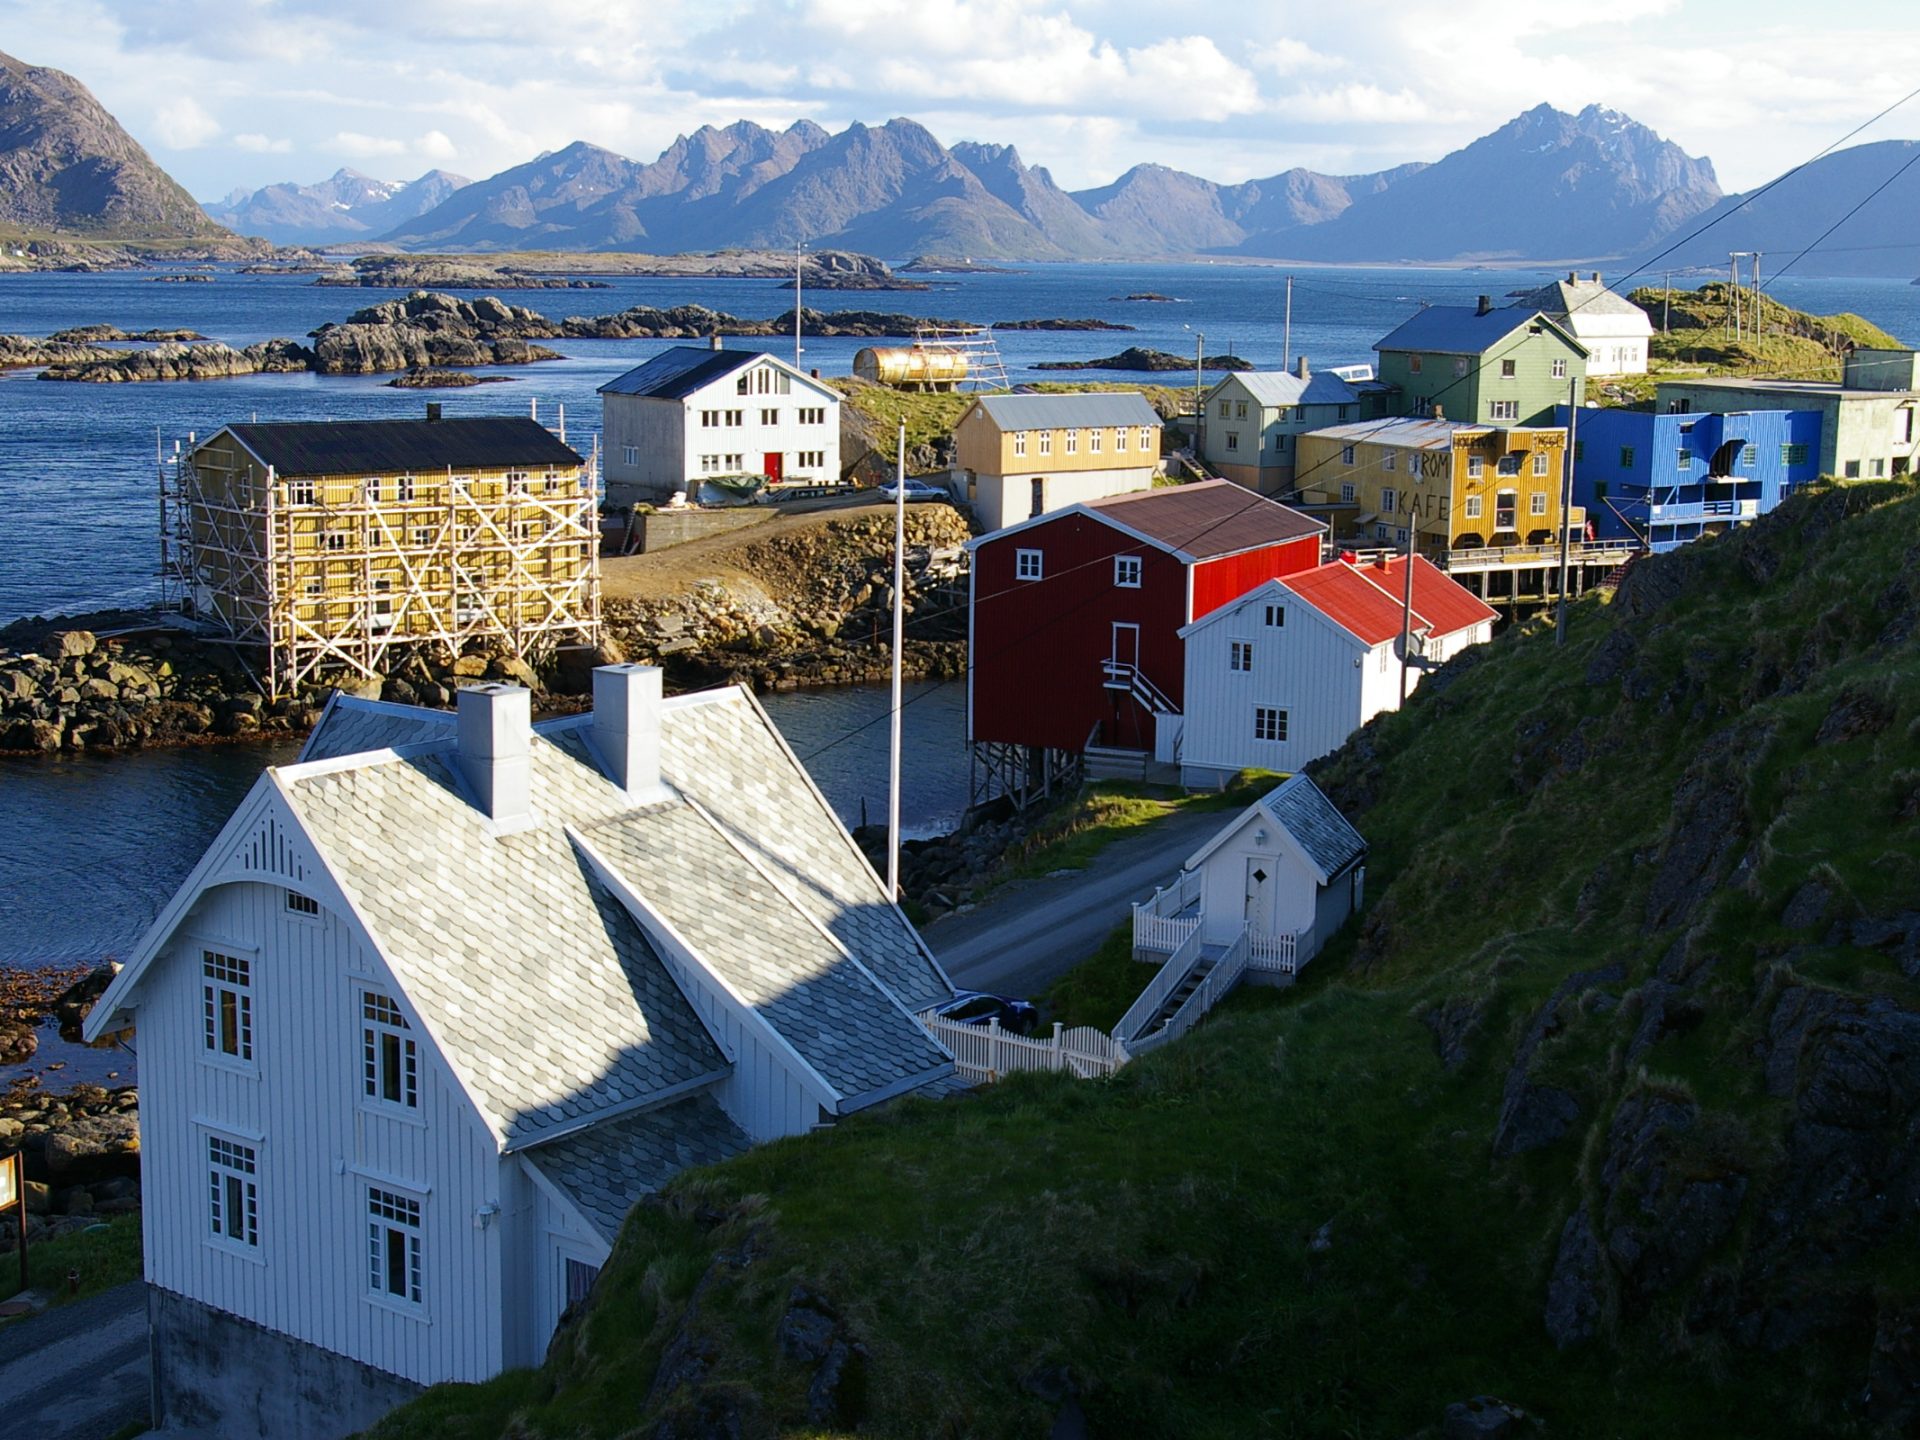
[1199,352]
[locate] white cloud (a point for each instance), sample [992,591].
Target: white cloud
[182,124]
[435,145]
[261,144]
[350,142]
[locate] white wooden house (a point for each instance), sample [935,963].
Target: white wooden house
[698,412]
[450,993]
[1287,672]
[1255,903]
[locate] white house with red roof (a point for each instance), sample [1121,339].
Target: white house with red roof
[1285,673]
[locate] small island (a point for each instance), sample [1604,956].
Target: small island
[1135,357]
[1147,296]
[434,378]
[1088,324]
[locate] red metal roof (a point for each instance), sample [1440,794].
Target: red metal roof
[1367,599]
[1214,517]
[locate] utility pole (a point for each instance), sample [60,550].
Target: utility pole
[1286,334]
[1733,291]
[899,635]
[1199,406]
[1666,307]
[796,304]
[1566,509]
[1406,604]
[1757,296]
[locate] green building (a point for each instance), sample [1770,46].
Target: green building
[1484,365]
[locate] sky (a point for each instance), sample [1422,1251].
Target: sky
[233,94]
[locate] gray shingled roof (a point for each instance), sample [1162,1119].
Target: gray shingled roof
[538,987]
[1465,330]
[1570,299]
[765,950]
[354,727]
[1283,387]
[1312,819]
[1065,412]
[608,1168]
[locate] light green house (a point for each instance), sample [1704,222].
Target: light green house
[1484,364]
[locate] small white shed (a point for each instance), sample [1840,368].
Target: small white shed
[1289,864]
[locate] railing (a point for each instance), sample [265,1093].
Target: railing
[1122,676]
[983,1053]
[1214,987]
[1165,981]
[1577,554]
[1158,923]
[1273,952]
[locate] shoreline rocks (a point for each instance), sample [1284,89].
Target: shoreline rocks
[1136,357]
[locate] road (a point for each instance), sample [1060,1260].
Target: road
[78,1372]
[1028,933]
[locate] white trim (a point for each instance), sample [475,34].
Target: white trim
[239,1132]
[388,1181]
[742,1009]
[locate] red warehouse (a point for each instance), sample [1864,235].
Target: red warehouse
[1075,618]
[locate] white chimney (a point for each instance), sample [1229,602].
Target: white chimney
[494,733]
[627,701]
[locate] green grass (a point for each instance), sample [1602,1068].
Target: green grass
[104,1255]
[929,417]
[1290,1223]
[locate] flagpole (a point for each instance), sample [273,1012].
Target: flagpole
[899,633]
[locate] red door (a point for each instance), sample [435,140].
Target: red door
[773,465]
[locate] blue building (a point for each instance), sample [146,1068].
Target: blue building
[1668,479]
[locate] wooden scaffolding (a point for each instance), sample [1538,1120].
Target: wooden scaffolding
[329,576]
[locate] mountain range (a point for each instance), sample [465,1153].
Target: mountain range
[1546,185]
[345,206]
[67,166]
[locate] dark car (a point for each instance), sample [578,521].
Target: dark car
[977,1007]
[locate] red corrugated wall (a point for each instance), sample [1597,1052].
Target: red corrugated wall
[1220,582]
[1036,647]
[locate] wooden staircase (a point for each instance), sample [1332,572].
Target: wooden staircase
[1210,956]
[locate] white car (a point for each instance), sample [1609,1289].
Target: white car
[916,490]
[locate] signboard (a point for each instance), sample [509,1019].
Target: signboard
[9,1181]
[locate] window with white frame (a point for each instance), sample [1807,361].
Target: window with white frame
[1019,442]
[1119,438]
[733,462]
[630,454]
[302,904]
[1240,657]
[1539,462]
[389,1056]
[372,482]
[1094,440]
[769,417]
[1537,503]
[1388,460]
[422,536]
[1459,366]
[1476,467]
[227,1005]
[1233,439]
[1240,410]
[1026,565]
[1073,442]
[1146,437]
[1504,410]
[1226,409]
[1347,493]
[1473,507]
[1559,369]
[394,1259]
[233,1192]
[810,459]
[1269,723]
[1509,369]
[336,537]
[1507,465]
[1346,454]
[403,489]
[1277,616]
[1126,571]
[1388,499]
[813,414]
[1046,442]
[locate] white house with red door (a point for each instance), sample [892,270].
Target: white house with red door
[1285,673]
[698,413]
[1075,616]
[446,997]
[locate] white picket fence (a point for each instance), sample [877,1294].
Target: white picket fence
[1158,923]
[983,1053]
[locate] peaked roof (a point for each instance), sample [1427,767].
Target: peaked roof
[1211,518]
[1408,431]
[1367,600]
[1570,299]
[1315,824]
[677,372]
[1466,330]
[1301,808]
[1066,411]
[1283,387]
[387,447]
[547,964]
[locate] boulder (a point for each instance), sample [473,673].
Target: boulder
[69,644]
[94,1147]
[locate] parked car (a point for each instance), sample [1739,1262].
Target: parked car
[977,1007]
[916,490]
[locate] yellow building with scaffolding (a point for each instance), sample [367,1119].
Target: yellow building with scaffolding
[330,545]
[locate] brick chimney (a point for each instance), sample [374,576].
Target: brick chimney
[626,728]
[493,732]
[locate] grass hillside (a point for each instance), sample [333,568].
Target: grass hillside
[1609,1109]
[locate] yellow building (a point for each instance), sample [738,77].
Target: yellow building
[1459,486]
[1019,456]
[328,544]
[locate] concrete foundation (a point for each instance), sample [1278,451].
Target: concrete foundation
[664,528]
[226,1376]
